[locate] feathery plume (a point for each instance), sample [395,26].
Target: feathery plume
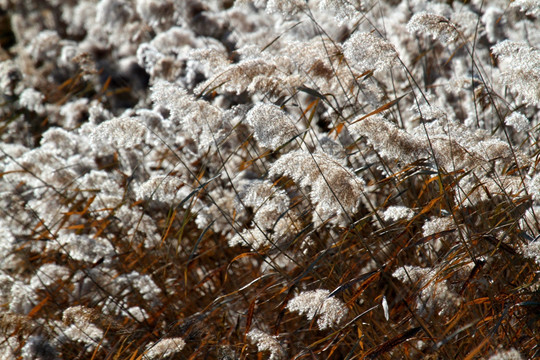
[366,51]
[271,125]
[123,132]
[520,69]
[334,188]
[329,310]
[164,348]
[437,26]
[266,342]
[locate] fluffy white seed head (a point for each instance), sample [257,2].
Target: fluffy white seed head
[329,310]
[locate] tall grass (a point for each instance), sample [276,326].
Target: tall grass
[277,179]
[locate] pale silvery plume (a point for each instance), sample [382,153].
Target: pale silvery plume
[178,41]
[113,306]
[107,187]
[69,51]
[467,22]
[214,60]
[367,51]
[67,145]
[511,354]
[330,310]
[258,238]
[9,346]
[156,13]
[531,7]
[520,69]
[287,7]
[436,225]
[169,56]
[89,284]
[73,113]
[162,188]
[534,187]
[136,313]
[170,96]
[45,46]
[308,59]
[389,140]
[200,120]
[113,14]
[218,211]
[8,257]
[437,26]
[10,78]
[79,321]
[269,205]
[32,100]
[148,57]
[429,111]
[123,132]
[237,78]
[279,261]
[88,334]
[45,166]
[335,189]
[395,213]
[528,221]
[502,186]
[143,283]
[451,144]
[531,250]
[492,19]
[343,10]
[164,348]
[82,247]
[317,62]
[457,146]
[79,17]
[254,237]
[254,75]
[518,121]
[140,227]
[268,202]
[434,295]
[49,275]
[21,296]
[331,147]
[272,126]
[267,342]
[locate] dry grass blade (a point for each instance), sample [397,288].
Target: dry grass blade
[380,109]
[392,343]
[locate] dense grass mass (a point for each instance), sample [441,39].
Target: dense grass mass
[269,179]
